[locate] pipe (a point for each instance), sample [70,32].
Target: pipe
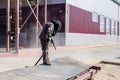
[8,26]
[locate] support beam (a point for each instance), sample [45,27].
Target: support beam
[45,11]
[34,11]
[37,15]
[17,26]
[8,26]
[30,15]
[30,6]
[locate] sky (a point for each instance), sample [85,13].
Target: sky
[118,0]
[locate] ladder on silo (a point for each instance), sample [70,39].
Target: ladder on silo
[12,24]
[13,28]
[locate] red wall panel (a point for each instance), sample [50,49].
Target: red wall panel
[81,22]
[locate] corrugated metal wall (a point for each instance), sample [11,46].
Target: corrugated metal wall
[82,28]
[81,22]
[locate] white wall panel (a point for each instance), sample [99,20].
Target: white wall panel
[59,39]
[78,39]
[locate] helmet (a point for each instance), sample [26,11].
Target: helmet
[57,26]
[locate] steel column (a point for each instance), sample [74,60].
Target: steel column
[37,15]
[8,26]
[67,18]
[17,26]
[45,11]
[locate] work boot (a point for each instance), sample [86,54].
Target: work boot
[47,64]
[46,60]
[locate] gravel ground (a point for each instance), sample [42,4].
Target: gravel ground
[108,72]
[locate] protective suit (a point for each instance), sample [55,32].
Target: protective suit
[49,30]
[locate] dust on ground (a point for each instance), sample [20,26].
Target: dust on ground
[108,72]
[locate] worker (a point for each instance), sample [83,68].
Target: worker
[49,30]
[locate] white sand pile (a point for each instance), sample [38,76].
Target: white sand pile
[108,72]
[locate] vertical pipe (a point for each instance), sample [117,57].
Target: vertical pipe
[8,26]
[45,11]
[37,15]
[17,26]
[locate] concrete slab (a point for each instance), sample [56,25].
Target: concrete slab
[90,55]
[61,69]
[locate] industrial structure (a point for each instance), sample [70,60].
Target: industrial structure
[14,23]
[83,22]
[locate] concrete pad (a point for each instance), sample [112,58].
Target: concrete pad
[61,69]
